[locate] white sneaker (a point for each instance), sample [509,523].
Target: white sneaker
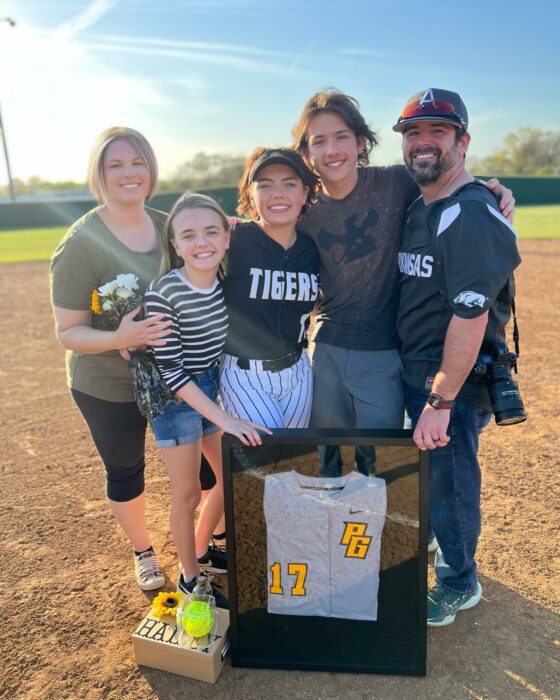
[147,571]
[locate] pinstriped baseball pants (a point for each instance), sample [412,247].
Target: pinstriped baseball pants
[273,399]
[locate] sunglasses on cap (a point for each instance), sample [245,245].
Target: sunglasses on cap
[428,106]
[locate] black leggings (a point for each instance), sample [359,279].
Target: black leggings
[207,476]
[119,433]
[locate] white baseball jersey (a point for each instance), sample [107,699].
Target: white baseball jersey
[323,544]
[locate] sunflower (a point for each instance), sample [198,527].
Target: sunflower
[166,603]
[95,305]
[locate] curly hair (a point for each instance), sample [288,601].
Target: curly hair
[245,205]
[335,102]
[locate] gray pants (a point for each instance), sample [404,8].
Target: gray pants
[356,388]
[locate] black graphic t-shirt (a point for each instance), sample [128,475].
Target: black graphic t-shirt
[358,239]
[270,293]
[457,258]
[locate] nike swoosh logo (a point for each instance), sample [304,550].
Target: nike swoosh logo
[353,512]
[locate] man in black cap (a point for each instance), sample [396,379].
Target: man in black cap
[456,262]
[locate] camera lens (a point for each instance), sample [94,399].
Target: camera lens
[506,401]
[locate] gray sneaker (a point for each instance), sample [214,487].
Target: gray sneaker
[147,571]
[444,604]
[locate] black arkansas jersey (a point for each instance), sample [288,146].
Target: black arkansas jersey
[457,258]
[270,293]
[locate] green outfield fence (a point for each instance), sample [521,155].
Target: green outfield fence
[44,214]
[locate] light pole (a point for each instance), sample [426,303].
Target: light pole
[11,22]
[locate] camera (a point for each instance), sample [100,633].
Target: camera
[495,366]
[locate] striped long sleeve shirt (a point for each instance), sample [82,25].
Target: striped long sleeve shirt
[198,331]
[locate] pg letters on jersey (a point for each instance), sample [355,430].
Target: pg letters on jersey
[329,569]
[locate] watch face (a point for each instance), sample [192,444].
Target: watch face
[438,402]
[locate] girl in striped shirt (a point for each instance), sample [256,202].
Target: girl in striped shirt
[191,296]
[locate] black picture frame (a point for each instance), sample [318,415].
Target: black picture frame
[393,644]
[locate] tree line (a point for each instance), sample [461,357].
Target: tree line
[525,152]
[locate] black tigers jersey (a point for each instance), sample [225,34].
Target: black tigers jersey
[270,293]
[323,544]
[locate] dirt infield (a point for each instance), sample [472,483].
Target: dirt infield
[69,602]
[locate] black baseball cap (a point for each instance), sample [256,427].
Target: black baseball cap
[434,105]
[282,157]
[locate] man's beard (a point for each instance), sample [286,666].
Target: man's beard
[428,173]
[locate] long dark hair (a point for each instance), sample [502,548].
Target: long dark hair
[347,108]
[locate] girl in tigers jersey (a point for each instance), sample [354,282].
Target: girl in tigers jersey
[270,289]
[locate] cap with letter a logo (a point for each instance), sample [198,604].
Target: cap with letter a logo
[434,105]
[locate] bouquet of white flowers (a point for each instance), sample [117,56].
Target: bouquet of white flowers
[113,300]
[109,304]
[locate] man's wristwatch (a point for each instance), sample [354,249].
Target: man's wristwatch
[437,401]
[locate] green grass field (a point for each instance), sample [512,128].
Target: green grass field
[538,222]
[38,244]
[28,245]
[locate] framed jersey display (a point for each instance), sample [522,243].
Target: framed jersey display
[327,551]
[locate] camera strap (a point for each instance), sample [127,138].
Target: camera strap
[515,332]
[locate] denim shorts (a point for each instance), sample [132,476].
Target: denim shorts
[179,423]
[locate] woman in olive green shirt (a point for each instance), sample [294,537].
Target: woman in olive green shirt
[120,237]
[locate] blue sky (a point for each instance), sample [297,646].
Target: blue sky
[228,75]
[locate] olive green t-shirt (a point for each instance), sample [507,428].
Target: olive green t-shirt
[88,257]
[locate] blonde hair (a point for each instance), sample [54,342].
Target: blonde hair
[189,200]
[96,176]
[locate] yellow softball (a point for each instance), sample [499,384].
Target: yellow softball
[198,619]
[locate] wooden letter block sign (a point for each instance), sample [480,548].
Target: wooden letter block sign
[155,645]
